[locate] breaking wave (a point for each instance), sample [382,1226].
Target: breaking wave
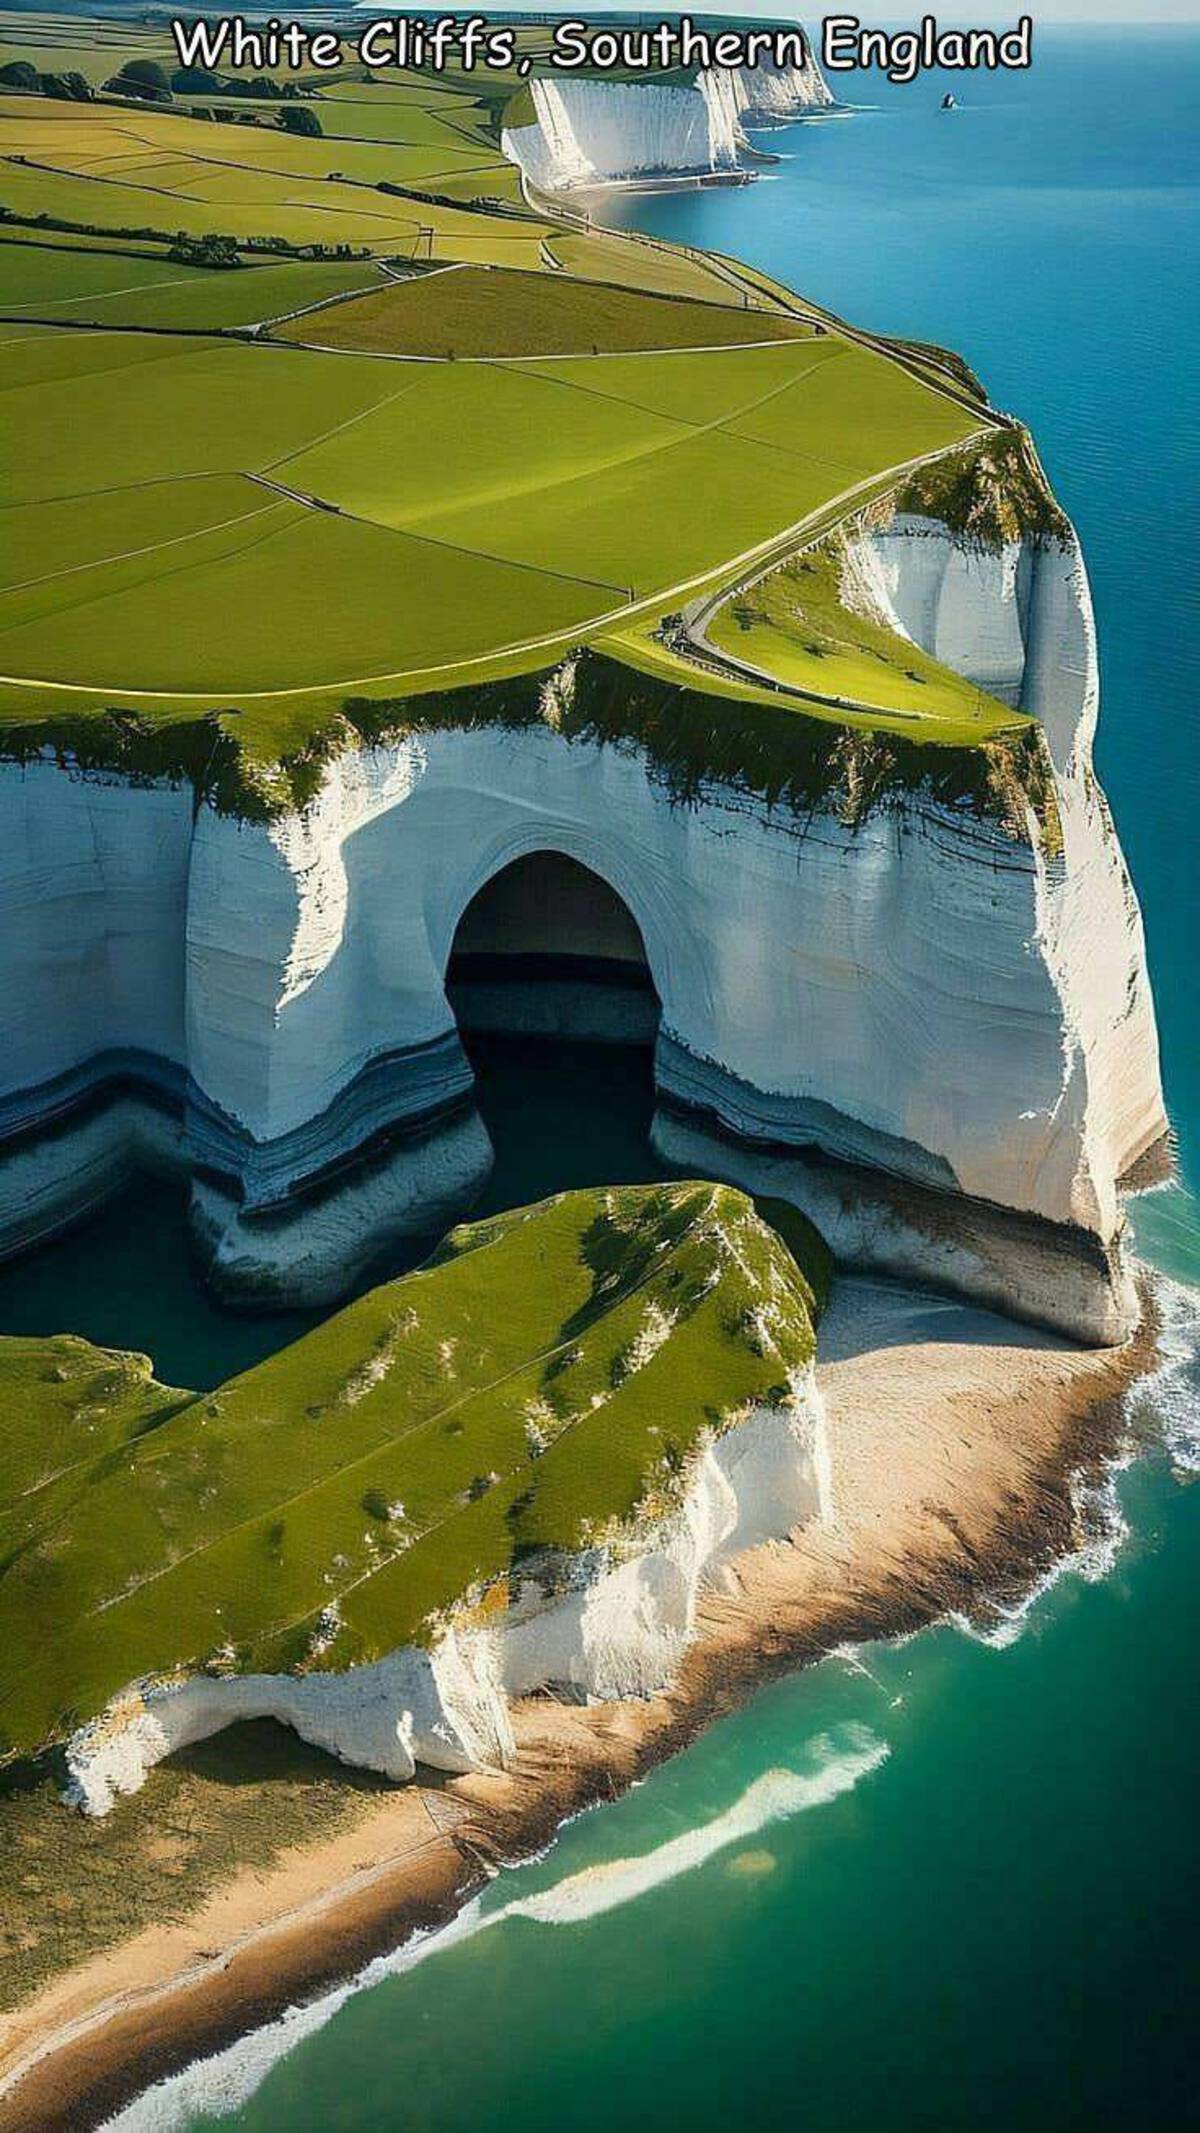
[840,1760]
[214,2088]
[1168,1400]
[1102,1529]
[1161,1408]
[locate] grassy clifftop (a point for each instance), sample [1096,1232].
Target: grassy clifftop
[543,1381]
[991,495]
[359,442]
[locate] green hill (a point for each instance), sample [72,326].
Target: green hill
[542,1382]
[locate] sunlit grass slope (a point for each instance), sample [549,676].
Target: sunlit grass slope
[801,625]
[485,312]
[253,378]
[540,1383]
[441,515]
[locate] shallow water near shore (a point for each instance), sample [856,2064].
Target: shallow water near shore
[979,1912]
[968,1902]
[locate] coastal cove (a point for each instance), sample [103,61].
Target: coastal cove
[936,1880]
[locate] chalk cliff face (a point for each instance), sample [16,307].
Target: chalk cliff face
[1021,623]
[927,1022]
[935,1032]
[588,133]
[591,132]
[769,95]
[615,1625]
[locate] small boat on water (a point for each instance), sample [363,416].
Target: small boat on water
[949,101]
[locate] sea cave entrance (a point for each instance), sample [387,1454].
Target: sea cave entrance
[550,984]
[547,949]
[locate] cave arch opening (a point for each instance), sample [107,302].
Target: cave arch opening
[557,1007]
[547,949]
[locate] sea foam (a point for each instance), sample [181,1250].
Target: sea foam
[1168,1400]
[1163,1407]
[216,2087]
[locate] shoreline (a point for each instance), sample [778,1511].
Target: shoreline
[955,1437]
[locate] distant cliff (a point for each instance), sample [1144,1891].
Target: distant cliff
[570,132]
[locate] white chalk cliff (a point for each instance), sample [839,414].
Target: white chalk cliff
[925,1002]
[615,1624]
[588,133]
[960,1015]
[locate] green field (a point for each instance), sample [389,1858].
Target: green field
[353,374]
[543,1381]
[473,511]
[487,312]
[69,282]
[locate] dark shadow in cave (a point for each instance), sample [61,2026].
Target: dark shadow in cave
[552,991]
[546,948]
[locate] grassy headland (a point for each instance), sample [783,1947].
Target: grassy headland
[542,1382]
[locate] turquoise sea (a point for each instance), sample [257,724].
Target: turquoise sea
[950,1884]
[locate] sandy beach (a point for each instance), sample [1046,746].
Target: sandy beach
[953,1439]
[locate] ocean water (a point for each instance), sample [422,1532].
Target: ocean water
[950,1883]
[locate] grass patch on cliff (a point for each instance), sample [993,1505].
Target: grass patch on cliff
[992,493]
[542,1382]
[809,625]
[74,1886]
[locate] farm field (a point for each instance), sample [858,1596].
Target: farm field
[468,436]
[450,513]
[115,287]
[478,311]
[331,1504]
[602,255]
[119,168]
[91,46]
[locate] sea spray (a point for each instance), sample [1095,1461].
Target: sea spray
[216,2087]
[1167,1402]
[1162,1407]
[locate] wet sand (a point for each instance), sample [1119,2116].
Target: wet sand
[953,1439]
